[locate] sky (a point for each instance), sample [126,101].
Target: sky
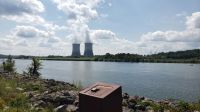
[49,27]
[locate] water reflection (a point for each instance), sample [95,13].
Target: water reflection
[154,80]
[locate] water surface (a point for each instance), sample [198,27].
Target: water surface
[153,80]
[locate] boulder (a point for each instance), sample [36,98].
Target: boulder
[64,99]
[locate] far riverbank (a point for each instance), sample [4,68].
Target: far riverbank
[190,61]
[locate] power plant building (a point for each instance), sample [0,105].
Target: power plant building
[76,50]
[88,50]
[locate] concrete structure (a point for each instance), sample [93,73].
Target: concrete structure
[76,50]
[88,50]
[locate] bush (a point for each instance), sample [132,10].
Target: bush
[34,68]
[9,64]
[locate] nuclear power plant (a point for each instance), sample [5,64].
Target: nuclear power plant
[88,50]
[76,50]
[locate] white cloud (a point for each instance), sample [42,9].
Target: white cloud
[193,22]
[91,3]
[39,35]
[173,40]
[54,40]
[27,12]
[152,42]
[190,34]
[102,34]
[22,11]
[41,42]
[30,32]
[76,9]
[20,7]
[26,18]
[80,13]
[173,36]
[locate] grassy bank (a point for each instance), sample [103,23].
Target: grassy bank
[20,93]
[12,98]
[15,91]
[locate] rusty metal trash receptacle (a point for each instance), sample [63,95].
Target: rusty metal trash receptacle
[101,97]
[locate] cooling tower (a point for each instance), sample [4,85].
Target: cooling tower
[76,50]
[88,50]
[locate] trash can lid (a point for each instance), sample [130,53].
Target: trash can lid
[100,90]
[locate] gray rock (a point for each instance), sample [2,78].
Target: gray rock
[124,102]
[40,103]
[72,108]
[76,103]
[61,108]
[142,98]
[131,105]
[64,99]
[19,89]
[47,98]
[125,96]
[125,109]
[66,93]
[140,107]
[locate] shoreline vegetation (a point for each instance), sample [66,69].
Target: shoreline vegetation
[28,92]
[188,56]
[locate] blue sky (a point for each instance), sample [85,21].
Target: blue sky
[115,26]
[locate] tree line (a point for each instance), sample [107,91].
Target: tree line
[188,56]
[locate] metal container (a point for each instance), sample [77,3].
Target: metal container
[101,97]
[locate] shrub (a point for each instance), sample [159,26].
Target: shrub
[33,69]
[9,64]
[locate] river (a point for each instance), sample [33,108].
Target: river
[153,80]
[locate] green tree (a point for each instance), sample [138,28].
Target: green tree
[9,64]
[34,68]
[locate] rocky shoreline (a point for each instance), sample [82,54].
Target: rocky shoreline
[60,96]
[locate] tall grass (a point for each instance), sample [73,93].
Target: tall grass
[11,99]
